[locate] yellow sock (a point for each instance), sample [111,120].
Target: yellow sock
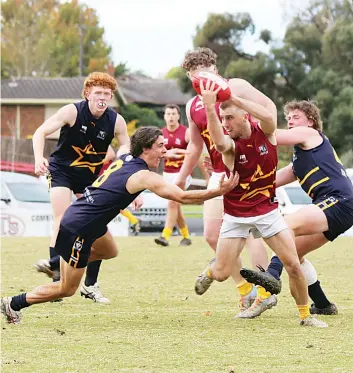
[303,311]
[167,232]
[244,288]
[185,232]
[132,219]
[262,293]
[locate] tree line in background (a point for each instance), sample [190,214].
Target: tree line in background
[314,60]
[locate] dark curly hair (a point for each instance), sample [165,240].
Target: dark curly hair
[144,138]
[310,110]
[200,57]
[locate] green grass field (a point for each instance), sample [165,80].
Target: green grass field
[157,324]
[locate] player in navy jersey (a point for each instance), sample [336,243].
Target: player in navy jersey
[322,176]
[86,130]
[250,148]
[87,218]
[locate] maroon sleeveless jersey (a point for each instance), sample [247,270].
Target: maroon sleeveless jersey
[174,140]
[256,162]
[198,116]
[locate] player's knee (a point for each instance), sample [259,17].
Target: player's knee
[293,268]
[211,240]
[67,290]
[221,273]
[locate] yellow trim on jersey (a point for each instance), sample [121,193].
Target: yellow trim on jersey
[317,183]
[308,174]
[325,205]
[73,258]
[336,157]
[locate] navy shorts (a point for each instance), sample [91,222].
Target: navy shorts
[75,249]
[339,214]
[63,177]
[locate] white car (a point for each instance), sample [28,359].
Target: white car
[291,198]
[26,208]
[153,212]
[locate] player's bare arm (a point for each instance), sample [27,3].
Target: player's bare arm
[194,149]
[154,182]
[223,143]
[285,176]
[243,89]
[65,116]
[267,119]
[305,137]
[120,133]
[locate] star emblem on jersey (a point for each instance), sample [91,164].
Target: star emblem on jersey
[81,162]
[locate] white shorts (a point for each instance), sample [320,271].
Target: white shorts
[171,178]
[213,183]
[264,226]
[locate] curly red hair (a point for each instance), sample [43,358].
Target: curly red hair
[97,79]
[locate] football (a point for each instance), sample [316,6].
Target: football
[201,77]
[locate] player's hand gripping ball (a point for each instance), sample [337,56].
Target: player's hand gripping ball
[201,77]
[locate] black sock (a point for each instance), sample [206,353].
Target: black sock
[275,267]
[54,261]
[318,296]
[92,272]
[18,302]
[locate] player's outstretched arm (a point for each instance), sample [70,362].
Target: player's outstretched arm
[156,183]
[65,116]
[295,136]
[285,176]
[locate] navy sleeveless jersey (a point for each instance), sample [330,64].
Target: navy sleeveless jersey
[81,148]
[103,200]
[321,173]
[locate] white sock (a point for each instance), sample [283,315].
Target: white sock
[309,272]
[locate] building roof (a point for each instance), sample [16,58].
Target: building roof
[132,88]
[141,89]
[42,88]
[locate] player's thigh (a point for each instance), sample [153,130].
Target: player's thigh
[106,245]
[60,199]
[306,244]
[308,220]
[283,245]
[213,209]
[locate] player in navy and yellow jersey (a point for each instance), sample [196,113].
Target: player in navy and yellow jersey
[322,176]
[86,219]
[86,130]
[134,222]
[250,148]
[176,138]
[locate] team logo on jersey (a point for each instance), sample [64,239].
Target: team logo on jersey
[128,158]
[242,159]
[101,135]
[83,129]
[263,149]
[83,154]
[78,245]
[177,141]
[165,140]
